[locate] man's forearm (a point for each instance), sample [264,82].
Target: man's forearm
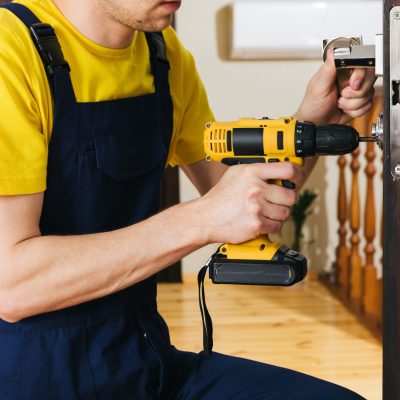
[46,273]
[40,274]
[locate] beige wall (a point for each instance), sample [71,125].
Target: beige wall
[258,89]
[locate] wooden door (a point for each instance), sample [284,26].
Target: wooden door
[391,200]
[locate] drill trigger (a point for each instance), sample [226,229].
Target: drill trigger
[288,184]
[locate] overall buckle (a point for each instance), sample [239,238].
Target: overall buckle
[49,47]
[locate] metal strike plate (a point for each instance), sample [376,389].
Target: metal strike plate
[351,53]
[395,92]
[358,57]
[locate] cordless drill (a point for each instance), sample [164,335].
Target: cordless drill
[261,261]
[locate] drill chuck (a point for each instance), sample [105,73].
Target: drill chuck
[318,140]
[335,140]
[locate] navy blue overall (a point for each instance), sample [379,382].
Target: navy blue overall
[104,168]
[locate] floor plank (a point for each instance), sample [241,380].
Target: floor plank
[302,327]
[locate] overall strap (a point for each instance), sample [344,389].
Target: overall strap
[49,49]
[160,69]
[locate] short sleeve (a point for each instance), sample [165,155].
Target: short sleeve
[191,107]
[23,149]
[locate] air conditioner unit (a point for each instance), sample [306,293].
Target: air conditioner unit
[288,29]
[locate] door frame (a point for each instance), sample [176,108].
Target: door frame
[391,212]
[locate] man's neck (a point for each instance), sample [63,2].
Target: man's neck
[90,20]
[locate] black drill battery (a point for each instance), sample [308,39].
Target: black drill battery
[286,268]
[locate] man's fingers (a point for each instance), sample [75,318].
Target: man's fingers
[275,212]
[279,195]
[327,72]
[329,66]
[271,226]
[355,103]
[361,81]
[360,111]
[280,171]
[357,78]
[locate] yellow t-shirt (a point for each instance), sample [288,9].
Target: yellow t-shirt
[98,74]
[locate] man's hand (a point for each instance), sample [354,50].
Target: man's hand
[244,205]
[323,104]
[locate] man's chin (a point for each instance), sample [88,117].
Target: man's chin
[150,25]
[162,24]
[159,25]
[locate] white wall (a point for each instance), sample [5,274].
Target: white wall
[257,89]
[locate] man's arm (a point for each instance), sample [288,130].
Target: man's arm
[323,103]
[45,273]
[204,174]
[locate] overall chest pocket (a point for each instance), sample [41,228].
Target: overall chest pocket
[119,180]
[124,156]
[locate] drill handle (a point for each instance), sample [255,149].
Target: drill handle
[288,184]
[295,160]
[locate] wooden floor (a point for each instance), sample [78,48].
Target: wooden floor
[302,328]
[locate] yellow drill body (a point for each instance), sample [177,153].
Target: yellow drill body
[218,146]
[247,141]
[273,141]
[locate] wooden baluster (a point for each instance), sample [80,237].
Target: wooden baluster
[355,264]
[370,281]
[342,252]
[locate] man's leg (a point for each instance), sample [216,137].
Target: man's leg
[197,376]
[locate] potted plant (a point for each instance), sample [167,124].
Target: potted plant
[300,212]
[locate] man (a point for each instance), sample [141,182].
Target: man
[83,147]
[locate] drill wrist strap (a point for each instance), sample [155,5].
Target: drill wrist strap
[205,315]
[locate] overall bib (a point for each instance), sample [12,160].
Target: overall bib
[104,171]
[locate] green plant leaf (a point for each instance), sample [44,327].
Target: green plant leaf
[300,212]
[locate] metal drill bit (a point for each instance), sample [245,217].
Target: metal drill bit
[368,139]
